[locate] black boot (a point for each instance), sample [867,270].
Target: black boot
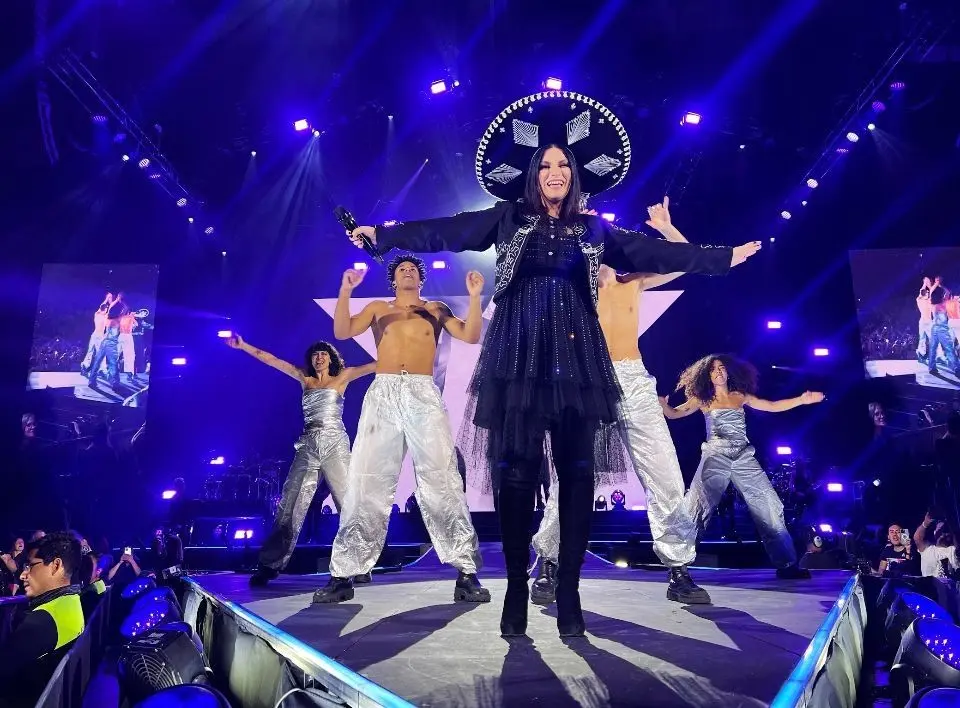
[515,509]
[362,579]
[681,588]
[576,513]
[262,576]
[544,590]
[337,590]
[469,589]
[793,572]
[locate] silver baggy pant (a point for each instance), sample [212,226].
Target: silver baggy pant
[402,411]
[322,459]
[647,438]
[722,464]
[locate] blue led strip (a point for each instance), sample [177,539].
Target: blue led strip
[318,664]
[791,694]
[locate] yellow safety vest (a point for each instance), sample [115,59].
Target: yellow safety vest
[67,614]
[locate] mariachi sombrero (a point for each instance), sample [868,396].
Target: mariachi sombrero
[593,133]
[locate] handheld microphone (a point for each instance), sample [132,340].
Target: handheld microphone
[350,224]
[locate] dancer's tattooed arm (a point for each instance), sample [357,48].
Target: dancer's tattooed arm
[682,411]
[236,342]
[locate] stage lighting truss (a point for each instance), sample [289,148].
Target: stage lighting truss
[79,81]
[926,31]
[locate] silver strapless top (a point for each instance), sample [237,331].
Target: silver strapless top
[322,408]
[727,425]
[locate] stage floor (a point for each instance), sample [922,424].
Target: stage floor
[404,632]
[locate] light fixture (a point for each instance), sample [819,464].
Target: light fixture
[225,334]
[784,450]
[774,324]
[179,361]
[439,265]
[438,87]
[301,124]
[169,493]
[690,118]
[821,351]
[786,215]
[834,487]
[852,137]
[553,84]
[359,266]
[812,183]
[600,504]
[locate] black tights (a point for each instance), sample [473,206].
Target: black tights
[572,442]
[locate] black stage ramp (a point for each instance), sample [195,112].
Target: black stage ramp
[404,632]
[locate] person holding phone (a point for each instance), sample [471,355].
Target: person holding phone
[939,558]
[125,570]
[896,557]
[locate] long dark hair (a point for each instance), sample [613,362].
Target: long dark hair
[570,207]
[336,361]
[696,384]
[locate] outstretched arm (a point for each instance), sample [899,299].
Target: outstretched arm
[682,411]
[786,404]
[352,373]
[346,326]
[467,231]
[236,342]
[466,330]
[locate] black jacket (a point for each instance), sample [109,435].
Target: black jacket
[506,226]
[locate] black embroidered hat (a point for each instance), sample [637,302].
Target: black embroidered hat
[591,131]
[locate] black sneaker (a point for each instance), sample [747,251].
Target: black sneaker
[793,572]
[262,576]
[544,590]
[681,588]
[469,589]
[362,579]
[337,590]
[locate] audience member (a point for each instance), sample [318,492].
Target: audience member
[937,559]
[52,623]
[9,568]
[896,558]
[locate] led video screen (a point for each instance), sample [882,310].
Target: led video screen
[909,313]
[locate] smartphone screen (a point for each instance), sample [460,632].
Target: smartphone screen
[128,551]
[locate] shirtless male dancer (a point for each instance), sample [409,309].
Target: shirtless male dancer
[403,409]
[644,433]
[323,450]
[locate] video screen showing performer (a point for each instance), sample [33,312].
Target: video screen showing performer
[908,308]
[94,332]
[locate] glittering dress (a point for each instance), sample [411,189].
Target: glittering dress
[543,352]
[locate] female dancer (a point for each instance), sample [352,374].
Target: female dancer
[720,386]
[544,366]
[323,450]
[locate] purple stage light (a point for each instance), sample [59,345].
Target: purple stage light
[316,133]
[125,158]
[208,230]
[390,222]
[438,87]
[190,219]
[774,324]
[359,266]
[179,361]
[143,164]
[786,215]
[878,107]
[181,202]
[871,126]
[691,119]
[742,146]
[812,183]
[834,487]
[821,351]
[553,84]
[217,460]
[253,153]
[225,334]
[826,528]
[784,450]
[99,119]
[803,203]
[301,124]
[773,239]
[439,265]
[897,86]
[852,137]
[223,253]
[169,494]
[608,216]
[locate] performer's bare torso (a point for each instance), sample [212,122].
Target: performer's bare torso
[618,307]
[406,336]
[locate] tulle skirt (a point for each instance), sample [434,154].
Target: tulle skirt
[543,353]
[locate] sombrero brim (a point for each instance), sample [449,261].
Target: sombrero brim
[591,131]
